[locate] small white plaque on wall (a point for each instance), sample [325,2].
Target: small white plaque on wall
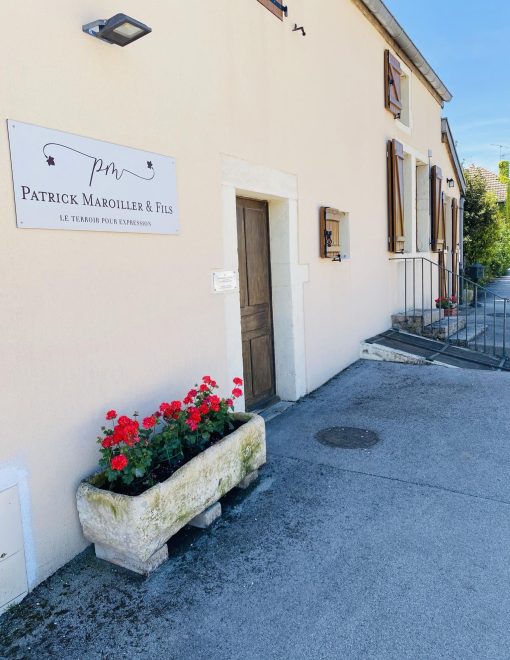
[64,181]
[224,280]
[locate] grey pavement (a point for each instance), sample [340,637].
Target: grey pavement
[397,551]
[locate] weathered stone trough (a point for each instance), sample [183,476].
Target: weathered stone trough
[132,531]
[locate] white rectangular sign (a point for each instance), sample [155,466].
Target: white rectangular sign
[224,280]
[64,181]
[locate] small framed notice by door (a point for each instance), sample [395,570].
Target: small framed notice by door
[224,280]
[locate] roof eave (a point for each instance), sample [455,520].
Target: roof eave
[447,137]
[392,27]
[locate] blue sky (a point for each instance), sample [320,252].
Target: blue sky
[467,42]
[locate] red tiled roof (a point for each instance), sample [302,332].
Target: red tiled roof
[492,181]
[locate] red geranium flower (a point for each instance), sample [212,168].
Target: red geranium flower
[107,442]
[194,413]
[111,414]
[204,388]
[206,379]
[237,392]
[238,381]
[230,403]
[149,422]
[119,462]
[127,432]
[213,402]
[123,420]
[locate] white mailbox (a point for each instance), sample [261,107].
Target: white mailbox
[13,576]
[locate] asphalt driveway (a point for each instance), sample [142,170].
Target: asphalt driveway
[396,551]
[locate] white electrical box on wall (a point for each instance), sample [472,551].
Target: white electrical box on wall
[13,575]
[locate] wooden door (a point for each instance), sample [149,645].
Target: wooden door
[255,295]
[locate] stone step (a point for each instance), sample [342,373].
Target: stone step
[413,320]
[444,328]
[466,336]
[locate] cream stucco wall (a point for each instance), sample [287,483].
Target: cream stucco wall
[91,320]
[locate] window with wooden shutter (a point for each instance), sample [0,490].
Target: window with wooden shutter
[436,205]
[275,7]
[392,84]
[455,247]
[455,226]
[395,161]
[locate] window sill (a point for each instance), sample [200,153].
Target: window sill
[403,127]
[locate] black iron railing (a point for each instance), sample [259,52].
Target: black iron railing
[447,306]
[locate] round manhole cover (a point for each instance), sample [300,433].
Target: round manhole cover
[347,437]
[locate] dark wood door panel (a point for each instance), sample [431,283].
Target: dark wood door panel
[261,359]
[256,322]
[255,299]
[257,257]
[241,249]
[247,373]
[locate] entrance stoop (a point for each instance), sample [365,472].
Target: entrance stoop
[399,346]
[415,321]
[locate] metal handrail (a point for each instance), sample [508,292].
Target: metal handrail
[446,281]
[447,270]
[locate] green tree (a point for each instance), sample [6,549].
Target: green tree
[504,171]
[506,210]
[486,228]
[504,177]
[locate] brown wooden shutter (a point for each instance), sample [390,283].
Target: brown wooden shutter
[455,226]
[395,160]
[455,247]
[438,226]
[392,84]
[274,8]
[443,275]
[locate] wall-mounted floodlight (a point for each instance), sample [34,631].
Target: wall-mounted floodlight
[120,29]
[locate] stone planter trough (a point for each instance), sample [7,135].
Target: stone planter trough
[132,531]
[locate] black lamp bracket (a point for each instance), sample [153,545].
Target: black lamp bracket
[297,29]
[94,27]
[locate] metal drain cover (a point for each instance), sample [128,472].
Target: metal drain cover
[347,437]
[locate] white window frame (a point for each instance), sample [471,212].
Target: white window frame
[406,85]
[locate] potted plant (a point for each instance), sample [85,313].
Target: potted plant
[157,476]
[448,304]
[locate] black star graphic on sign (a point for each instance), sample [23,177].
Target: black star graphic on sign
[149,164]
[50,160]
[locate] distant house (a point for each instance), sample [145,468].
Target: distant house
[493,182]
